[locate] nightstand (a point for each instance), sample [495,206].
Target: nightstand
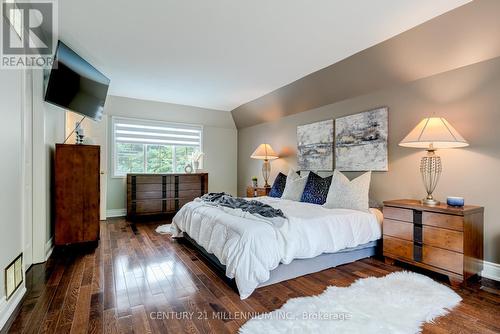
[443,239]
[257,191]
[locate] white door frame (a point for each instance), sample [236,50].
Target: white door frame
[104,169]
[41,182]
[27,168]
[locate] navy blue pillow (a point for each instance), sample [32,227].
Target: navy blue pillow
[316,189]
[278,186]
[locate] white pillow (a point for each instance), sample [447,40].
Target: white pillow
[294,186]
[345,194]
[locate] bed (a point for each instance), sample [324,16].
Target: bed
[254,252]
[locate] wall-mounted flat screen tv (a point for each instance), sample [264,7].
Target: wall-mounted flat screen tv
[76,85]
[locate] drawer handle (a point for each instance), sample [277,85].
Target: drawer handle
[417,252]
[417,234]
[417,217]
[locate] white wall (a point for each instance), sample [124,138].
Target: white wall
[11,172]
[48,129]
[219,141]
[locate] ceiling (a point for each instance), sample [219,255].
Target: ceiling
[221,54]
[462,37]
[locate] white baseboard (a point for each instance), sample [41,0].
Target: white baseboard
[491,270]
[111,213]
[49,247]
[7,307]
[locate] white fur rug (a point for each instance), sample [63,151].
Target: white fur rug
[397,303]
[164,229]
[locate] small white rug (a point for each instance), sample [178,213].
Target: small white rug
[400,302]
[164,229]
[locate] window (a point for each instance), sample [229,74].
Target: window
[15,18]
[152,147]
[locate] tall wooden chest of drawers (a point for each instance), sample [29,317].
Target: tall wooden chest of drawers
[161,194]
[77,193]
[440,238]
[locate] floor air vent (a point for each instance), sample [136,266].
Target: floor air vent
[13,276]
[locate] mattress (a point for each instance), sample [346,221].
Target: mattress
[250,249]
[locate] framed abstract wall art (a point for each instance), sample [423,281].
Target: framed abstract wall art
[315,146]
[361,141]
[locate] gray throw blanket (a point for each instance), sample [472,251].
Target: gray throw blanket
[252,207]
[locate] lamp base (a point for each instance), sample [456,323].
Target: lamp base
[430,168]
[266,170]
[431,202]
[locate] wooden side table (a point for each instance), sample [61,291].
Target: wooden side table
[440,238]
[257,191]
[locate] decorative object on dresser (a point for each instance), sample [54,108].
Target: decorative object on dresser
[361,141]
[431,134]
[265,152]
[444,239]
[161,194]
[315,146]
[455,201]
[258,191]
[196,158]
[254,181]
[77,193]
[188,169]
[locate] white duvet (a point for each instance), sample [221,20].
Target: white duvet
[250,248]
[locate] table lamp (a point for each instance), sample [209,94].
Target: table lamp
[431,134]
[265,152]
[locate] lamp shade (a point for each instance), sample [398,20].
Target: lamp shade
[434,133]
[264,152]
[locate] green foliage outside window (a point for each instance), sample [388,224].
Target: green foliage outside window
[159,159]
[130,158]
[146,158]
[183,157]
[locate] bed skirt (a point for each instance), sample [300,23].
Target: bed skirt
[301,267]
[296,268]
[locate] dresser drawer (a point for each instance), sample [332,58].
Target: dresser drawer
[148,206]
[443,238]
[148,195]
[444,259]
[190,179]
[398,214]
[257,192]
[398,229]
[442,220]
[394,247]
[190,193]
[145,179]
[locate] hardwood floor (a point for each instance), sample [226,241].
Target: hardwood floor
[137,281]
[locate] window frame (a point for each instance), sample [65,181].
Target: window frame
[149,122]
[15,20]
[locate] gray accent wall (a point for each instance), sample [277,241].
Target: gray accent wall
[468,97]
[219,141]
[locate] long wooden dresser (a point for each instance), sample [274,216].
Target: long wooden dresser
[444,239]
[161,194]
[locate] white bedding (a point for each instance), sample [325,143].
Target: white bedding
[251,248]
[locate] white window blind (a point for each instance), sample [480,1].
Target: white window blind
[141,146]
